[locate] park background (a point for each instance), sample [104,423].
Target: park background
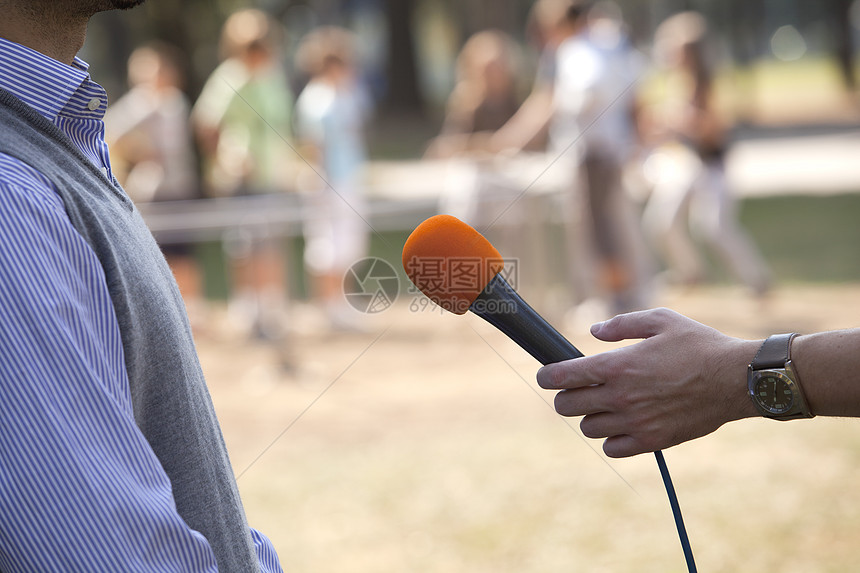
[424,445]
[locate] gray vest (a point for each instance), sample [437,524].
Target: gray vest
[171,403]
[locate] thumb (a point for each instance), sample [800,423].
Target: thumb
[641,324]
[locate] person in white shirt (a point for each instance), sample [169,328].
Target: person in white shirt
[594,101]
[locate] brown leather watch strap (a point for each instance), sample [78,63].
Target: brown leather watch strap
[774,352]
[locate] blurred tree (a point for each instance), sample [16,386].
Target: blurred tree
[191,25]
[403,93]
[843,37]
[194,26]
[506,15]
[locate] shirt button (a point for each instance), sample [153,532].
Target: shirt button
[94,104]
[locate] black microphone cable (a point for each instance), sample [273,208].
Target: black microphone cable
[676,511]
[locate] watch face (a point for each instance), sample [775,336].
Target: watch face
[774,391]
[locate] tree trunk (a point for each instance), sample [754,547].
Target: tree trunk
[403,94]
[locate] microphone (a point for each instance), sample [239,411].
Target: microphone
[459,269]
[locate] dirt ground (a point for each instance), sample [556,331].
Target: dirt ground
[425,446]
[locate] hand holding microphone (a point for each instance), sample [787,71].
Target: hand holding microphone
[659,392]
[458,269]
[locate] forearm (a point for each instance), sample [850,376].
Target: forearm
[828,365]
[526,124]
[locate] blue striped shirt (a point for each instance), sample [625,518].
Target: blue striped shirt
[80,488]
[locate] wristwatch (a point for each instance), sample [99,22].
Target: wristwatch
[773,384]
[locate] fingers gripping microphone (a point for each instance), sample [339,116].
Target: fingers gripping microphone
[458,269]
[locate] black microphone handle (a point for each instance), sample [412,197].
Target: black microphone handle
[500,305]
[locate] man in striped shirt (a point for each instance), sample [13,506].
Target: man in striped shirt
[111,458]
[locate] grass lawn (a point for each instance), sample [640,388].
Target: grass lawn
[807,238]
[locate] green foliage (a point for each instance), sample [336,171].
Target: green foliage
[807,238]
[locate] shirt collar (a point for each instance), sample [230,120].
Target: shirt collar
[47,85]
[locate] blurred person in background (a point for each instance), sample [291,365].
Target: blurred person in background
[526,134]
[484,98]
[595,96]
[242,119]
[111,454]
[151,144]
[547,27]
[690,195]
[585,95]
[331,113]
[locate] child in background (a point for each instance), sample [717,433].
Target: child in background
[331,113]
[242,121]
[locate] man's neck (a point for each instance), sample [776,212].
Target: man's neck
[45,27]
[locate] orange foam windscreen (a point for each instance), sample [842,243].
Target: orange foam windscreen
[450,262]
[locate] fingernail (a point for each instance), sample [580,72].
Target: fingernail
[595,328]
